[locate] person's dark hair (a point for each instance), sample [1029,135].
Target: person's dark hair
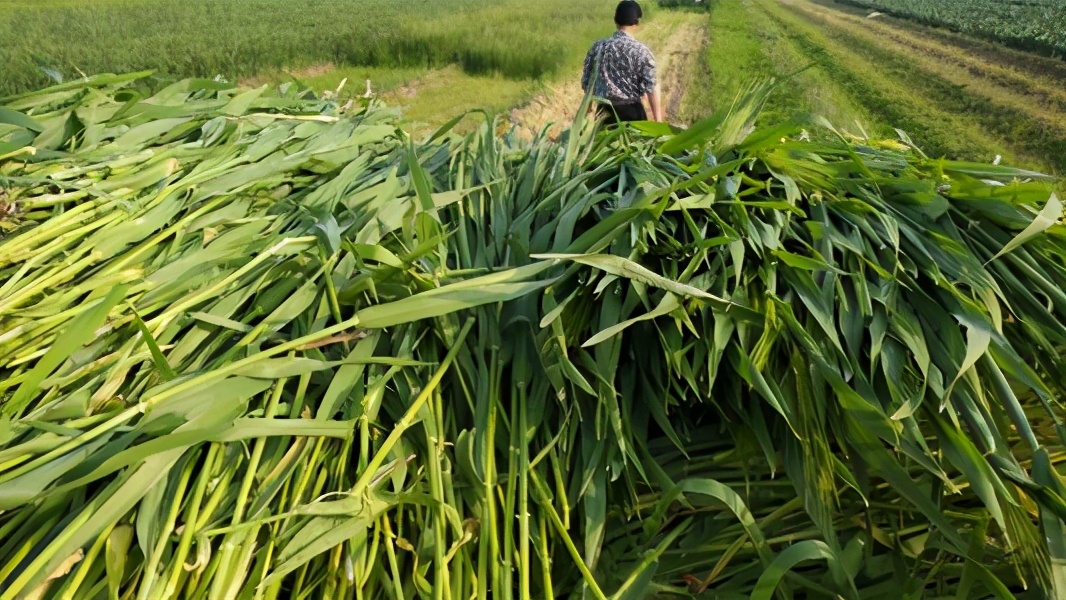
[627,13]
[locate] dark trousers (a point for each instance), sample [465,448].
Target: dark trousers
[614,113]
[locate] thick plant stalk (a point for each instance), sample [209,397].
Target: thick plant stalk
[805,367]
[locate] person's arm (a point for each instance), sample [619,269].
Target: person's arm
[586,71]
[655,103]
[586,75]
[653,92]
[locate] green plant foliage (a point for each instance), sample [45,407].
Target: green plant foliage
[519,40]
[257,346]
[699,5]
[1038,25]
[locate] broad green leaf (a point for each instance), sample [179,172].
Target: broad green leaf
[14,117]
[80,331]
[161,364]
[727,496]
[622,267]
[221,321]
[1048,216]
[116,554]
[804,262]
[242,102]
[115,501]
[278,368]
[23,489]
[668,304]
[251,428]
[1051,523]
[218,398]
[321,534]
[978,337]
[442,301]
[788,559]
[961,452]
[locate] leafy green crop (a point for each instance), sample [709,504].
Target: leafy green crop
[1026,24]
[518,40]
[257,346]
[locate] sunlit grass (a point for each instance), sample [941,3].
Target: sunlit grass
[243,38]
[746,45]
[1038,25]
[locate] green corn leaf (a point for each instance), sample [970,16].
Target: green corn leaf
[14,117]
[1048,216]
[668,304]
[622,267]
[792,556]
[161,364]
[80,331]
[116,554]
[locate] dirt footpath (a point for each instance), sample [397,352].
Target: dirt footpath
[675,39]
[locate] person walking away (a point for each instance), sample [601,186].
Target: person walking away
[621,71]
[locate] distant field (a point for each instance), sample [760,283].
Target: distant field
[241,38]
[955,96]
[1038,25]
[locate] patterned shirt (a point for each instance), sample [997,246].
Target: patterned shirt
[626,69]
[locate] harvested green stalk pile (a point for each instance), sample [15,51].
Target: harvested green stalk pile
[253,345]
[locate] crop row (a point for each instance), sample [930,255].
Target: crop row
[1036,25]
[238,38]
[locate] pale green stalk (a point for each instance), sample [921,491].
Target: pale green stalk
[73,586]
[222,482]
[408,418]
[545,556]
[47,254]
[77,264]
[390,551]
[434,520]
[233,574]
[178,561]
[71,220]
[164,318]
[177,389]
[523,468]
[153,564]
[52,200]
[42,558]
[507,556]
[153,242]
[560,530]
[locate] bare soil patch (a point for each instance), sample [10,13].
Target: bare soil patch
[406,91]
[301,73]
